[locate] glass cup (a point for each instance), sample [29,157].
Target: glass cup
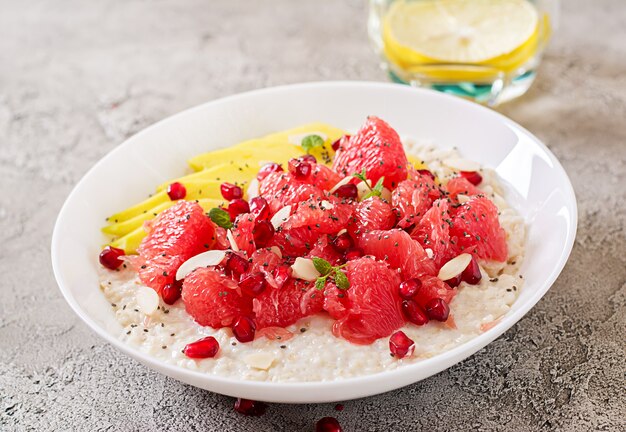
[487,51]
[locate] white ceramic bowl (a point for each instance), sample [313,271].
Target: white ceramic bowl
[538,189]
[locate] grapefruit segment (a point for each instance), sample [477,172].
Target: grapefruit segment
[377,148]
[314,217]
[370,308]
[176,235]
[324,249]
[371,214]
[433,232]
[412,199]
[323,177]
[476,230]
[280,307]
[281,189]
[461,186]
[400,251]
[213,299]
[243,233]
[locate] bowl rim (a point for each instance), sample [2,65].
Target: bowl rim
[446,358]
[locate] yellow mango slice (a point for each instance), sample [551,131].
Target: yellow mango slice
[139,209]
[277,147]
[251,155]
[200,189]
[123,228]
[196,189]
[416,162]
[131,241]
[285,137]
[237,173]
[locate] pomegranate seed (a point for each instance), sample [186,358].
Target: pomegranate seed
[281,274]
[339,407]
[171,292]
[203,348]
[338,142]
[348,191]
[176,191]
[308,158]
[236,207]
[328,424]
[299,169]
[353,253]
[244,329]
[413,312]
[437,309]
[253,285]
[472,274]
[427,173]
[230,191]
[263,232]
[110,257]
[472,176]
[260,208]
[236,265]
[268,168]
[401,345]
[249,407]
[343,242]
[409,288]
[455,281]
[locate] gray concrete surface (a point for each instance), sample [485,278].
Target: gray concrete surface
[78,77]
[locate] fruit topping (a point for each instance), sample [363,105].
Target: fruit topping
[401,345]
[203,348]
[110,257]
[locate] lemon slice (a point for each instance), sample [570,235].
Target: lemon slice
[459,31]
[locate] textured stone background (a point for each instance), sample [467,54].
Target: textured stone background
[78,77]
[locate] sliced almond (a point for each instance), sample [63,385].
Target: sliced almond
[147,300]
[462,198]
[296,139]
[277,251]
[362,189]
[304,269]
[231,240]
[253,189]
[280,216]
[461,164]
[454,267]
[205,259]
[326,205]
[260,360]
[343,181]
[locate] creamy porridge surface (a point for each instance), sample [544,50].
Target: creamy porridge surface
[313,353]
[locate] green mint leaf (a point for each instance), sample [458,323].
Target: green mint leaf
[311,141]
[320,282]
[322,266]
[377,190]
[361,176]
[341,280]
[220,218]
[370,194]
[379,185]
